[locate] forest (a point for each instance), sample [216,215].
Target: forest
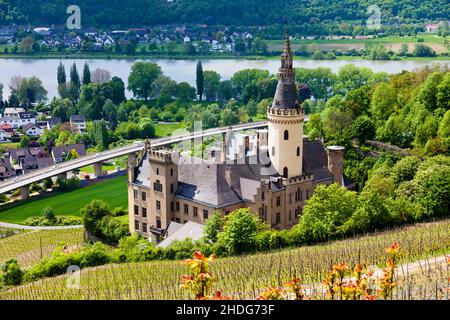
[226,12]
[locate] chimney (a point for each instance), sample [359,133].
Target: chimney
[336,163]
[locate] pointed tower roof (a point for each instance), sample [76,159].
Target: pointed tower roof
[286,96]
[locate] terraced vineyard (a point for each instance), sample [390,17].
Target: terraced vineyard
[29,247]
[244,277]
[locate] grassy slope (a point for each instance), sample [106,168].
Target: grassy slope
[113,191]
[166,129]
[243,277]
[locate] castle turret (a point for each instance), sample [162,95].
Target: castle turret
[336,163]
[286,118]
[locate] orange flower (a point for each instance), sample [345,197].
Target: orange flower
[393,249]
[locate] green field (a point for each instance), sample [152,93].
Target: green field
[90,169]
[166,129]
[113,191]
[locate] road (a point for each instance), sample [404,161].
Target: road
[38,175]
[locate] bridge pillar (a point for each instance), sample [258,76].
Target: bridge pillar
[62,176]
[98,169]
[24,192]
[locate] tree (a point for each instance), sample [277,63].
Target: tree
[147,129]
[405,169]
[212,81]
[100,76]
[229,117]
[363,129]
[443,93]
[421,50]
[75,84]
[31,91]
[12,274]
[225,90]
[100,134]
[245,77]
[304,92]
[92,215]
[200,80]
[213,226]
[239,231]
[61,74]
[428,91]
[383,101]
[320,81]
[351,77]
[117,90]
[49,214]
[73,154]
[444,126]
[404,49]
[24,141]
[141,78]
[185,92]
[327,211]
[86,74]
[27,44]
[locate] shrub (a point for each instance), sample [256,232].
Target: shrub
[11,273]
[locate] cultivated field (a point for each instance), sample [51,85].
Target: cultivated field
[244,277]
[113,191]
[29,247]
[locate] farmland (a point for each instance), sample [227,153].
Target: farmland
[29,247]
[244,277]
[113,191]
[391,43]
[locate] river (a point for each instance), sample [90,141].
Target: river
[179,70]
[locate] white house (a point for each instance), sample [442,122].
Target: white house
[79,122]
[33,130]
[12,112]
[26,118]
[13,121]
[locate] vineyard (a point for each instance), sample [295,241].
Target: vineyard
[29,247]
[245,277]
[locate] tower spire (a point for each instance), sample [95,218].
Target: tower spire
[287,52]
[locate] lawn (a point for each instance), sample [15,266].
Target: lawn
[166,129]
[113,191]
[90,169]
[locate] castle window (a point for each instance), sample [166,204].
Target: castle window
[136,225]
[144,196]
[290,215]
[186,209]
[144,227]
[158,222]
[285,172]
[278,201]
[195,212]
[290,197]
[136,210]
[177,207]
[278,218]
[307,194]
[157,171]
[144,212]
[286,135]
[157,186]
[298,152]
[177,220]
[135,192]
[205,214]
[172,206]
[171,188]
[273,151]
[263,196]
[171,172]
[158,205]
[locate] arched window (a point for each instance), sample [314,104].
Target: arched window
[286,135]
[298,152]
[157,171]
[285,172]
[171,172]
[273,151]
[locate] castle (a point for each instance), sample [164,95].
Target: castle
[272,172]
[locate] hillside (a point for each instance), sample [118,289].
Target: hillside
[226,12]
[244,277]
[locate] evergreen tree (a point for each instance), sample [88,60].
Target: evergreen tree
[74,88]
[61,74]
[86,74]
[200,80]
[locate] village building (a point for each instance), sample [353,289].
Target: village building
[272,172]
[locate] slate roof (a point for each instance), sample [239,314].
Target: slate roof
[77,118]
[62,151]
[29,126]
[315,160]
[189,230]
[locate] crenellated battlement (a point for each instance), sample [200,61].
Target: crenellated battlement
[163,155]
[285,112]
[303,177]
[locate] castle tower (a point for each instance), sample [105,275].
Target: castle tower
[286,118]
[336,163]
